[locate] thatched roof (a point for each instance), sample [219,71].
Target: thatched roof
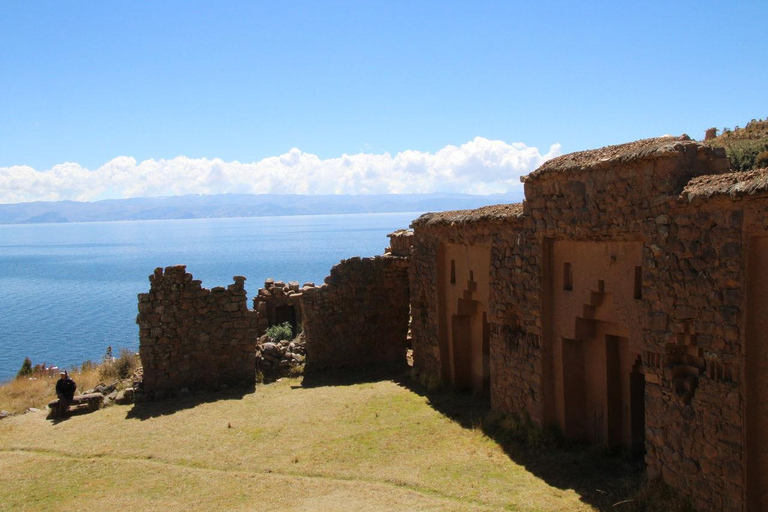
[734,184]
[612,155]
[499,212]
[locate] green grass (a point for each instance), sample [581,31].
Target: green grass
[371,446]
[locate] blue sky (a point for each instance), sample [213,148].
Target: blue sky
[87,82]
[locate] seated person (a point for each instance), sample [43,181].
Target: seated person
[65,390]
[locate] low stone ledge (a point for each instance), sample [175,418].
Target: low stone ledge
[80,404]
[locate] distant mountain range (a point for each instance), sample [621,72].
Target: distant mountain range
[239,205]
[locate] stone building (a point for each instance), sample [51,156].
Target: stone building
[624,301]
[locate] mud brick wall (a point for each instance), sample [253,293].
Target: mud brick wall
[359,316]
[194,338]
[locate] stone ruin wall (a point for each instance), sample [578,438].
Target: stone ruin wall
[360,315]
[400,243]
[278,302]
[192,338]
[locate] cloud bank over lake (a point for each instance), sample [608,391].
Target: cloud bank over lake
[480,166]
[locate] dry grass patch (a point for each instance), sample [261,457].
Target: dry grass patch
[371,446]
[20,394]
[39,388]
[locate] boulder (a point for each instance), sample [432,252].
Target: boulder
[80,404]
[125,396]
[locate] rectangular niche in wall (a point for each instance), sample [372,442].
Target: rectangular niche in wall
[567,277]
[592,340]
[463,329]
[756,358]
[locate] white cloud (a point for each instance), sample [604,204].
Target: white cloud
[480,166]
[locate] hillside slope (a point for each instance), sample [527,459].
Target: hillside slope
[746,147]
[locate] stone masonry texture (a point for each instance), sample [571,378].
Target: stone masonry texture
[694,220]
[625,301]
[360,315]
[193,338]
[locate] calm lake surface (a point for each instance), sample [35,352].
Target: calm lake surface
[67,291]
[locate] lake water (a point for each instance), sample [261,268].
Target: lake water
[67,291]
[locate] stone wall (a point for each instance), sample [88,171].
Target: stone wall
[680,327]
[400,242]
[359,316]
[192,338]
[278,302]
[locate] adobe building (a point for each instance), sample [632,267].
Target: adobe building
[625,301]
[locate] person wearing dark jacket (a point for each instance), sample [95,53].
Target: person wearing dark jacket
[65,390]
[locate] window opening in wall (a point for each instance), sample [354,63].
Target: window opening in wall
[471,276]
[453,271]
[567,277]
[638,283]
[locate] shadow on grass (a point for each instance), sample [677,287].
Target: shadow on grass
[145,410]
[314,378]
[604,479]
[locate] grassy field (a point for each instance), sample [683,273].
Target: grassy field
[366,446]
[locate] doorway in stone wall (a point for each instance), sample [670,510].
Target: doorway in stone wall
[286,313]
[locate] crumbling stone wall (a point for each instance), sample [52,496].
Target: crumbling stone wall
[278,302]
[400,243]
[359,316]
[192,338]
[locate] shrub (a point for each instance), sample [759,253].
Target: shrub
[26,369]
[120,367]
[761,160]
[280,332]
[744,153]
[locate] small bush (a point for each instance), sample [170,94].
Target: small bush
[86,366]
[26,369]
[761,160]
[120,367]
[280,332]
